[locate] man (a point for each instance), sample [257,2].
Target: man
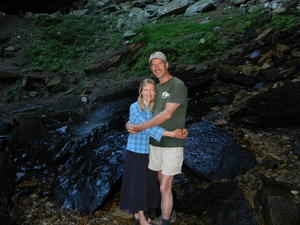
[169,112]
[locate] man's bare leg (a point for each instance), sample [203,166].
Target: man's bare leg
[166,194]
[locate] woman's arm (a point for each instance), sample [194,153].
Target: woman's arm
[138,116]
[155,132]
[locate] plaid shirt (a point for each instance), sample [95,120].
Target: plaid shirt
[139,142]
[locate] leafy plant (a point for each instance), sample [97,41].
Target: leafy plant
[64,45]
[67,44]
[183,40]
[15,92]
[189,41]
[282,21]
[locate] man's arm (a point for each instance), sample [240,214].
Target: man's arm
[156,120]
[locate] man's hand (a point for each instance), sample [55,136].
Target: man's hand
[132,129]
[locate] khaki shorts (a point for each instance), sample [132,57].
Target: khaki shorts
[168,160]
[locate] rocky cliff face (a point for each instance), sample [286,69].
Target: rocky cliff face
[242,170]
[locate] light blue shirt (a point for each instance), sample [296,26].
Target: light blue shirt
[139,142]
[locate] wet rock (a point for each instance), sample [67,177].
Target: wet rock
[277,204]
[35,143]
[213,154]
[229,205]
[278,107]
[89,174]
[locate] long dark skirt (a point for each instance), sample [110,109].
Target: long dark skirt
[140,188]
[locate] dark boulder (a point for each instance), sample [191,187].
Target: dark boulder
[192,199]
[213,154]
[95,165]
[224,202]
[229,205]
[276,203]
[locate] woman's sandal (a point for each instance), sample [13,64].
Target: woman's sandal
[148,220]
[136,216]
[137,219]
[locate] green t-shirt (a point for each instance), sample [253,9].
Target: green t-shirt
[172,91]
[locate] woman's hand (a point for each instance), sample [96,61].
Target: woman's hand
[180,133]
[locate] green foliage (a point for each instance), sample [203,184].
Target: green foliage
[64,45]
[282,21]
[238,22]
[183,40]
[15,92]
[186,40]
[260,18]
[83,87]
[67,44]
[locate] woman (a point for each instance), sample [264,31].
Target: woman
[140,188]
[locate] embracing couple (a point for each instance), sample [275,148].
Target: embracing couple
[155,144]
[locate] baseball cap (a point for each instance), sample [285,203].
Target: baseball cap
[158,55]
